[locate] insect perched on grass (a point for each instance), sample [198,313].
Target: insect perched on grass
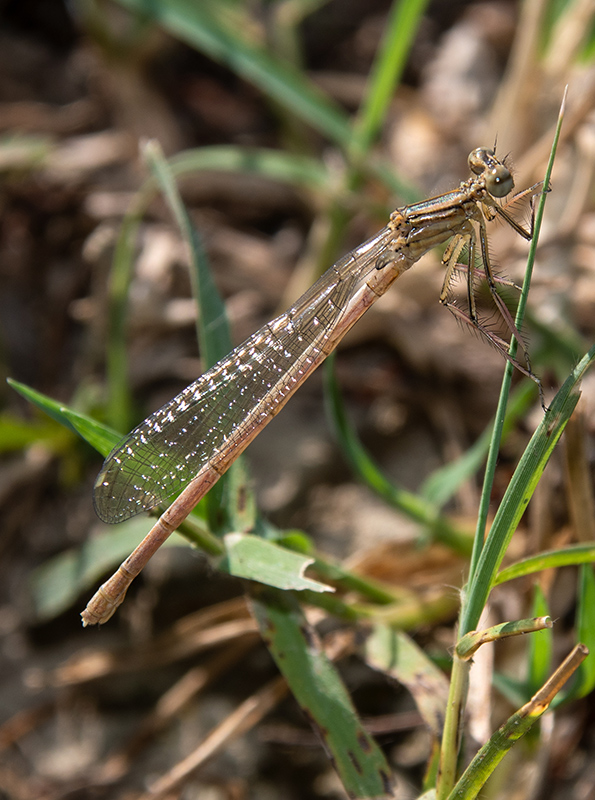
[190,442]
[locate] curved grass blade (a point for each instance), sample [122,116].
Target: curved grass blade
[291,168]
[520,490]
[196,24]
[415,507]
[401,26]
[572,555]
[99,436]
[318,688]
[256,559]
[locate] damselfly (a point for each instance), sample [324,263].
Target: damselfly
[190,442]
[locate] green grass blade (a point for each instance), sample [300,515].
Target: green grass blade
[541,645]
[230,504]
[99,436]
[291,168]
[520,490]
[412,505]
[194,23]
[585,633]
[572,555]
[401,27]
[320,692]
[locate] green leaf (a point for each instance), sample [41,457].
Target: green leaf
[58,583]
[259,560]
[397,655]
[318,688]
[99,436]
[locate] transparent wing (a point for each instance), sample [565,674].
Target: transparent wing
[227,402]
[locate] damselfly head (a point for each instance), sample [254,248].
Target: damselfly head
[498,180]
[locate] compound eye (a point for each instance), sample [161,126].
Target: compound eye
[479,160]
[499,181]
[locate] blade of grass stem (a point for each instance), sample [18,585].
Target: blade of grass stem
[505,390]
[401,26]
[408,503]
[572,555]
[519,491]
[486,558]
[319,690]
[119,404]
[230,503]
[492,753]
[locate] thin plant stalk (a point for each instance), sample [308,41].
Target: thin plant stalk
[468,623]
[469,616]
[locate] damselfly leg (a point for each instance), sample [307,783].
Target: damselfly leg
[474,243]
